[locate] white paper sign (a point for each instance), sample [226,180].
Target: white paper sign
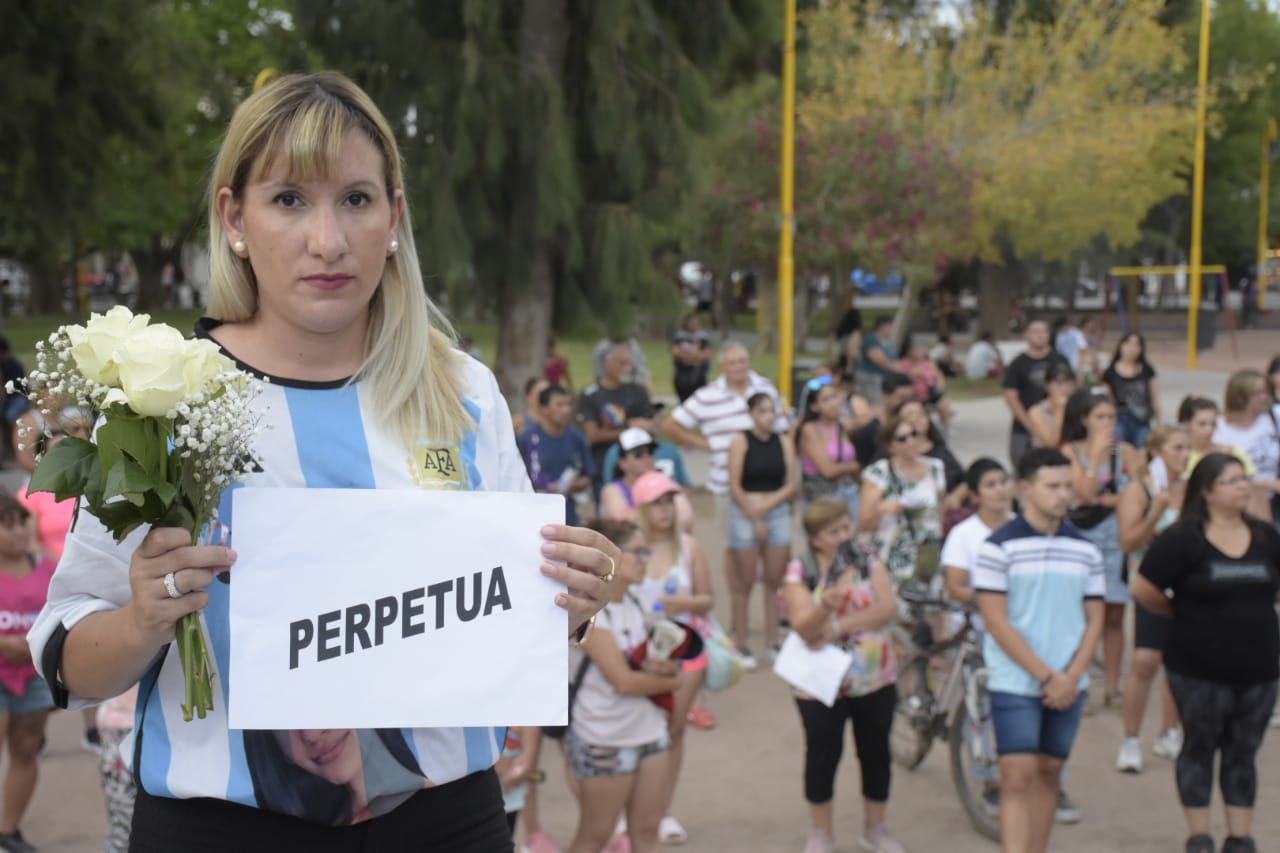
[360,608]
[818,673]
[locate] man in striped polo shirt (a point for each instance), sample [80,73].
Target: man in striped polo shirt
[1039,584]
[719,411]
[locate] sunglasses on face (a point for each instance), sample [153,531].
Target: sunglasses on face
[817,383]
[642,553]
[640,452]
[906,436]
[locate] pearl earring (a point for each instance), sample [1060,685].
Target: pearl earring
[395,244]
[238,247]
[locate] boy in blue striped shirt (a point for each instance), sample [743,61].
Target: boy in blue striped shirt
[1039,585]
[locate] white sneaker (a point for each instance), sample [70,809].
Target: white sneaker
[1168,744]
[879,840]
[820,842]
[1129,760]
[748,660]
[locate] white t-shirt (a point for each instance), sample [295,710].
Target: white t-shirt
[961,549]
[1258,441]
[979,360]
[601,715]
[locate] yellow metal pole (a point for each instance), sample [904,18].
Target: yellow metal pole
[1197,186]
[1264,205]
[786,263]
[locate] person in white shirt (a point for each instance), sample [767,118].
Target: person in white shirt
[1246,423]
[717,412]
[983,361]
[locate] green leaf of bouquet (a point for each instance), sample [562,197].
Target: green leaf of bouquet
[132,437]
[120,517]
[65,469]
[127,479]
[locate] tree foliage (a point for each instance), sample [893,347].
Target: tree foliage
[547,141]
[1074,126]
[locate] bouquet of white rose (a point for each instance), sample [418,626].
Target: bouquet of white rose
[174,430]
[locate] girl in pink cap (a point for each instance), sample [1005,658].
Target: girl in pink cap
[678,578]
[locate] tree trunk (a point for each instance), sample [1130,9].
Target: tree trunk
[525,294]
[150,263]
[997,285]
[902,317]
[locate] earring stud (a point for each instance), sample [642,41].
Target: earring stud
[238,247]
[395,244]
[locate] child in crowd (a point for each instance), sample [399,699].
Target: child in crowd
[618,746]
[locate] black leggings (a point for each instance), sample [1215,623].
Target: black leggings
[465,816]
[1220,718]
[871,717]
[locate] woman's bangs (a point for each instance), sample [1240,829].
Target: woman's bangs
[309,142]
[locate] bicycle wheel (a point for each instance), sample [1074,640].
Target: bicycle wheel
[973,769]
[911,734]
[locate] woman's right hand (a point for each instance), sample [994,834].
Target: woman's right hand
[164,550]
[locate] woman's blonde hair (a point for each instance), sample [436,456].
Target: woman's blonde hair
[1239,388]
[1155,443]
[823,513]
[651,535]
[410,362]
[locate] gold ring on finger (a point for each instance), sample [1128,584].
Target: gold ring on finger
[613,570]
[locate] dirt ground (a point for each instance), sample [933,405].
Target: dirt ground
[741,786]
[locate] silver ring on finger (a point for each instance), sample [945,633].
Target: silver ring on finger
[171,586]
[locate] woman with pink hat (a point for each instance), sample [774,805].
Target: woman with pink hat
[677,578]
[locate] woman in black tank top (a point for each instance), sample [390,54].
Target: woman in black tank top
[762,483]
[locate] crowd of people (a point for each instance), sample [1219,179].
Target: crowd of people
[1102,511]
[315,285]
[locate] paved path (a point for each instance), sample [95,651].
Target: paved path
[741,788]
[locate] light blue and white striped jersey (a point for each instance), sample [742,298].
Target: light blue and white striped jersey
[1046,580]
[320,435]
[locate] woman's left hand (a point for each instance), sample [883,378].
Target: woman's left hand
[580,559]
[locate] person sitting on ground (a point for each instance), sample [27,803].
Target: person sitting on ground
[983,361]
[927,381]
[944,357]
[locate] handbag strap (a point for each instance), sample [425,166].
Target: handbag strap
[578,678]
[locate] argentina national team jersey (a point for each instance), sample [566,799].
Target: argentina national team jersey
[1045,581]
[320,435]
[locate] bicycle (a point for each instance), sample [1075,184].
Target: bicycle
[956,708]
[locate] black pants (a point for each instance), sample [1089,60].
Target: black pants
[1220,718]
[871,717]
[465,816]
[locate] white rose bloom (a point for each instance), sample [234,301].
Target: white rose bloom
[153,370]
[204,362]
[94,344]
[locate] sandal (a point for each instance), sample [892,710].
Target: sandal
[701,718]
[671,832]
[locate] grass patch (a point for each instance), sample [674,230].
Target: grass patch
[974,389]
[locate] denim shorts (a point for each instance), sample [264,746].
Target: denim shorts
[1024,726]
[742,530]
[35,698]
[592,762]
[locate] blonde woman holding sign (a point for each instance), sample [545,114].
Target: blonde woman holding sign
[315,285]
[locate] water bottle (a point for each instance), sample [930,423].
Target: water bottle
[665,636]
[672,584]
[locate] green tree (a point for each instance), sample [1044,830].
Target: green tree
[547,140]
